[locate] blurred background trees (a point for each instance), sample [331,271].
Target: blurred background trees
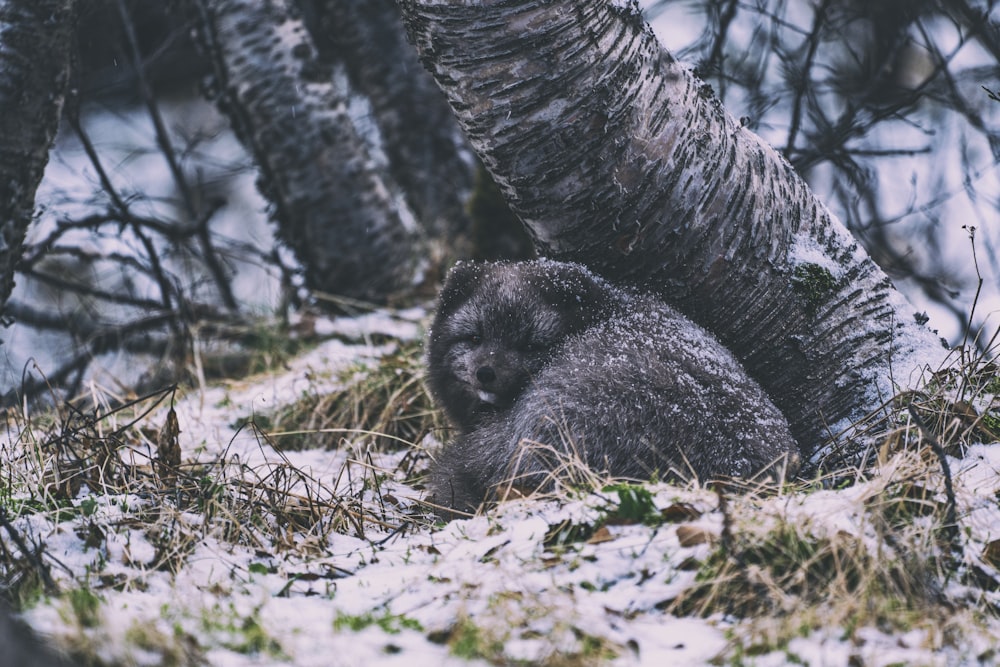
[880,105]
[192,125]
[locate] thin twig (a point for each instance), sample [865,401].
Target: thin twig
[167,292]
[950,525]
[30,555]
[166,147]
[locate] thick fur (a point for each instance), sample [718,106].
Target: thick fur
[539,363]
[21,648]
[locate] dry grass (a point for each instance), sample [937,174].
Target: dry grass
[776,567]
[53,460]
[911,562]
[908,561]
[387,403]
[948,408]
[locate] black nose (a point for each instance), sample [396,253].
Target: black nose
[486,374]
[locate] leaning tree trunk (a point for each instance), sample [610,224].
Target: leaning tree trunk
[333,206]
[427,155]
[35,39]
[616,156]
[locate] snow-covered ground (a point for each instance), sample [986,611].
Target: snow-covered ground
[574,580]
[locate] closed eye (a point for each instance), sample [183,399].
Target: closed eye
[474,339]
[535,346]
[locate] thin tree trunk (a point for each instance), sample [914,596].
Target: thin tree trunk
[338,213]
[616,156]
[35,40]
[420,136]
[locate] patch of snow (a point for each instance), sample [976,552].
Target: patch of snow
[806,250]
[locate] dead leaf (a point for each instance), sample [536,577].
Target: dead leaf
[991,554]
[680,512]
[690,536]
[168,450]
[600,535]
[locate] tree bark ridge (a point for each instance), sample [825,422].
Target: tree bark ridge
[344,221]
[427,154]
[35,40]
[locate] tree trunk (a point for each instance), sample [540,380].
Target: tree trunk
[35,40]
[338,213]
[420,136]
[616,156]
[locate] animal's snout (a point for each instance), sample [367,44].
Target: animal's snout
[486,374]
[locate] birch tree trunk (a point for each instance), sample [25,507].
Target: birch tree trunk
[35,40]
[616,156]
[420,136]
[334,208]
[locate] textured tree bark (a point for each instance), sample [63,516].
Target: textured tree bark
[428,156]
[616,156]
[335,210]
[35,39]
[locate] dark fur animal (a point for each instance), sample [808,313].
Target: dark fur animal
[21,648]
[536,362]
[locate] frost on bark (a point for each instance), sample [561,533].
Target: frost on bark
[420,136]
[333,207]
[35,39]
[616,156]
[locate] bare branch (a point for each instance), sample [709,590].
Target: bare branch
[166,147]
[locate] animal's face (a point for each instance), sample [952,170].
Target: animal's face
[492,347]
[497,325]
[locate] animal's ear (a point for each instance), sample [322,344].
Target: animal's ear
[570,285]
[462,280]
